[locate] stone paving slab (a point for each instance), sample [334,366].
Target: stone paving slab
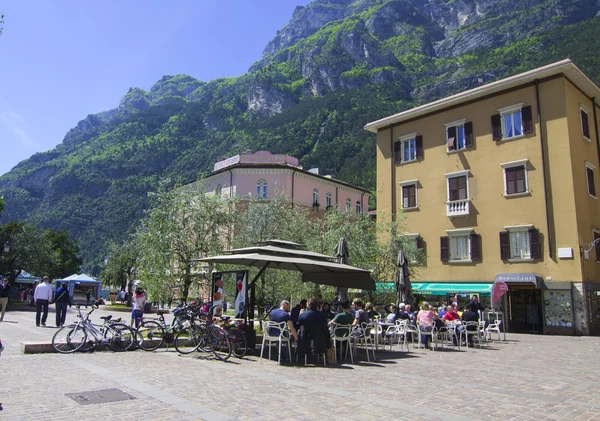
[526,378]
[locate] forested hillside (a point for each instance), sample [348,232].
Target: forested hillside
[337,65]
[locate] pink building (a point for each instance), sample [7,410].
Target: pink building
[264,175]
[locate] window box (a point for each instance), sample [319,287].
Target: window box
[512,122]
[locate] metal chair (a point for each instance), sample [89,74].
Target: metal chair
[275,332]
[341,333]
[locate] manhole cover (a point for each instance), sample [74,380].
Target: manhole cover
[99,396]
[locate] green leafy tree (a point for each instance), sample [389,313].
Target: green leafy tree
[183,224]
[66,258]
[121,265]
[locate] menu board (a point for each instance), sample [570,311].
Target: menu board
[557,308]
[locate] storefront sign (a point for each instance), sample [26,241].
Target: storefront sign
[261,157]
[517,278]
[498,290]
[226,162]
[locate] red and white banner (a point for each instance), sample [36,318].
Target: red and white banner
[498,290]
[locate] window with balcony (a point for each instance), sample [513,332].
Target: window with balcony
[591,183]
[460,246]
[409,194]
[512,122]
[585,123]
[520,243]
[328,200]
[261,189]
[408,148]
[458,194]
[459,135]
[515,178]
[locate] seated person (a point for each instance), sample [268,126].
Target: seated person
[218,311]
[282,315]
[314,334]
[402,314]
[99,301]
[470,316]
[371,311]
[411,315]
[391,318]
[325,308]
[442,310]
[450,315]
[343,318]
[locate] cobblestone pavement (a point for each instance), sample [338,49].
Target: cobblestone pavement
[525,378]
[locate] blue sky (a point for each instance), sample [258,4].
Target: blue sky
[61,60]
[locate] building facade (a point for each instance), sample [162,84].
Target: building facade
[264,175]
[499,185]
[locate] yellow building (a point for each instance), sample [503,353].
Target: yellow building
[499,186]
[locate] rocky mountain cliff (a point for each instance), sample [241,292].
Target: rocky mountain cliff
[335,66]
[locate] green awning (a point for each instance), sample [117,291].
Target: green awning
[382,287]
[461,288]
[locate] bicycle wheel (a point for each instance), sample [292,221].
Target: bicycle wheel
[150,335]
[238,341]
[219,342]
[69,339]
[120,337]
[188,339]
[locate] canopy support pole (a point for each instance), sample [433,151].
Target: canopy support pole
[253,295]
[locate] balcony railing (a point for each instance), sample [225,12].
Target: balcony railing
[457,208]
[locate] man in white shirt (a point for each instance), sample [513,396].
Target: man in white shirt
[42,297]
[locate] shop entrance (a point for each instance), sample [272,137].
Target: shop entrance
[525,311]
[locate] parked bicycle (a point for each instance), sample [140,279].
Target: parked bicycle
[153,333]
[83,335]
[201,334]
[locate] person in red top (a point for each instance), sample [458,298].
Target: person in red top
[451,314]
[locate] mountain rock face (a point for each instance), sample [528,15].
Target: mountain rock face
[335,66]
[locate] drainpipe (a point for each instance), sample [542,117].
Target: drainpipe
[293,174]
[539,115]
[336,196]
[393,175]
[596,128]
[362,205]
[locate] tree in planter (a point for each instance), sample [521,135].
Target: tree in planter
[182,224]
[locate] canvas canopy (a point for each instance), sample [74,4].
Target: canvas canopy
[315,267]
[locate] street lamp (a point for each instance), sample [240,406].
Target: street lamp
[586,304]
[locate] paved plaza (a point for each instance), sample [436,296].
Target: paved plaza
[526,378]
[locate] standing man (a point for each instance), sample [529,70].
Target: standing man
[4,290]
[41,298]
[61,299]
[122,296]
[88,297]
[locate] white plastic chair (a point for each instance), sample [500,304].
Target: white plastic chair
[426,333]
[365,339]
[275,332]
[411,328]
[341,333]
[474,331]
[494,327]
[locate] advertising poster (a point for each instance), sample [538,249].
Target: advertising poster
[229,291]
